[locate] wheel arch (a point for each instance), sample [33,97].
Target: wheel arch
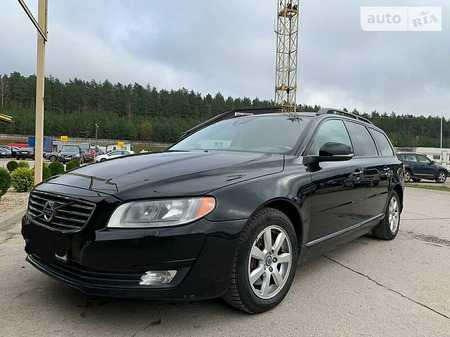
[441,170]
[400,192]
[291,211]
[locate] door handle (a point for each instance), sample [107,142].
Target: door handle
[357,173]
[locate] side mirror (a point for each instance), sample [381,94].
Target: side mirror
[330,151]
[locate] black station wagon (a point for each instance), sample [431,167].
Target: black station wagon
[228,211]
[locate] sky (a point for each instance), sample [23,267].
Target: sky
[230,47]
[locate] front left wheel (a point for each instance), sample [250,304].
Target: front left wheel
[265,262]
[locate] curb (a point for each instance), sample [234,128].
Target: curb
[12,219]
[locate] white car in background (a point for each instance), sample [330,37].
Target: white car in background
[113,154]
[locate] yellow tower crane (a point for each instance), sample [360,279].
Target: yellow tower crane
[287,52]
[5,119]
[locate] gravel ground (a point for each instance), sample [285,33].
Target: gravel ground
[12,201]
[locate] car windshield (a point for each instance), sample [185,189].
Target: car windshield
[70,149]
[271,133]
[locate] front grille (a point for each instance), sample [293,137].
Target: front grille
[59,212]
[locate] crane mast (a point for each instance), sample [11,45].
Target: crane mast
[286,56]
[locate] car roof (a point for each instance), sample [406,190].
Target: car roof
[271,111]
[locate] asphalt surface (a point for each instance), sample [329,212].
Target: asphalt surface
[365,288]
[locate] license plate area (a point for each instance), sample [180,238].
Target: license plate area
[49,245]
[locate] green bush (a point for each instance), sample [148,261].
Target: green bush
[23,164]
[5,181]
[72,164]
[56,168]
[45,171]
[12,165]
[22,179]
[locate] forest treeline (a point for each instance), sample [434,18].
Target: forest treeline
[135,112]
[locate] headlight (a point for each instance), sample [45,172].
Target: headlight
[161,213]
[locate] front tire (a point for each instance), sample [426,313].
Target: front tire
[441,177]
[265,262]
[387,229]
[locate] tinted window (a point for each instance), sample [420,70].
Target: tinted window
[423,159]
[330,131]
[383,143]
[68,149]
[408,157]
[275,134]
[362,140]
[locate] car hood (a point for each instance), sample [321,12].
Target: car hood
[440,167]
[170,173]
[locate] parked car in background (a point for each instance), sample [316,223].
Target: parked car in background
[25,152]
[88,156]
[113,154]
[419,166]
[70,152]
[228,211]
[5,152]
[51,156]
[10,151]
[14,150]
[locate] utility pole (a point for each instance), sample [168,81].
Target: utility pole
[96,128]
[41,27]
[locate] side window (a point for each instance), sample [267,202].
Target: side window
[423,159]
[364,144]
[383,143]
[331,131]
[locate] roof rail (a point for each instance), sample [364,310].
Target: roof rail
[343,113]
[230,114]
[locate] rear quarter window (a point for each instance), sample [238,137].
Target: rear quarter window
[384,146]
[363,143]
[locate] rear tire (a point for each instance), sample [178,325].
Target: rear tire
[52,159]
[387,229]
[407,176]
[265,262]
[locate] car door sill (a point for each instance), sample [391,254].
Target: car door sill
[359,225]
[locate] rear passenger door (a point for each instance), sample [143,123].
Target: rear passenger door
[374,152]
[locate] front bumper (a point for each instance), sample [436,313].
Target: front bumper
[111,262]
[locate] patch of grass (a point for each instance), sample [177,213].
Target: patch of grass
[430,187]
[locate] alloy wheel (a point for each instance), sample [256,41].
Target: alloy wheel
[394,215]
[270,262]
[441,177]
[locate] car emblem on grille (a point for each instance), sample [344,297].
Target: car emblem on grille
[48,211]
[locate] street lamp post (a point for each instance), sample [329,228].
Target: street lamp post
[96,128]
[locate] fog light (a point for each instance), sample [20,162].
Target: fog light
[157,277]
